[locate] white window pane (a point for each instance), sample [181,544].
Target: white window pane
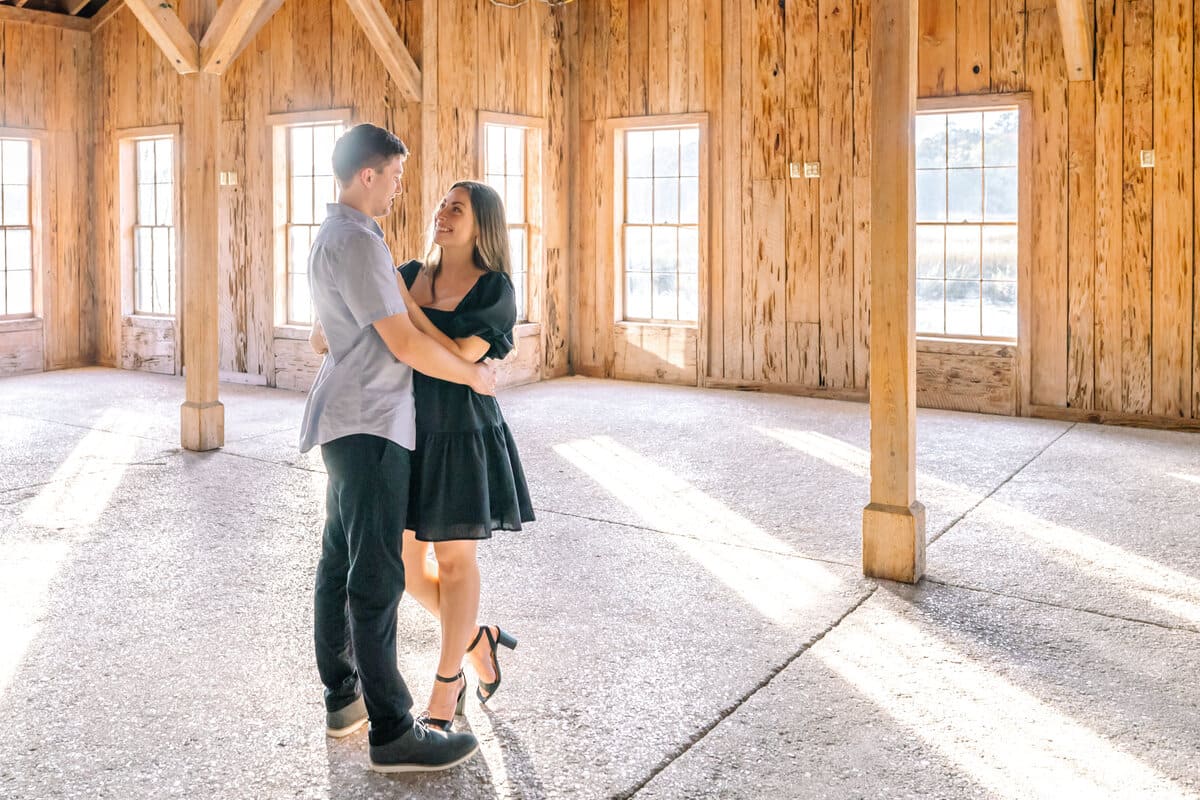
[19,292]
[516,245]
[164,161]
[302,150]
[1000,138]
[666,297]
[689,152]
[1000,194]
[637,295]
[666,154]
[302,201]
[1000,309]
[965,201]
[18,250]
[16,205]
[15,156]
[666,201]
[931,301]
[327,192]
[143,254]
[689,201]
[161,267]
[931,251]
[514,199]
[664,250]
[493,161]
[521,293]
[514,145]
[962,307]
[931,141]
[298,247]
[962,253]
[145,161]
[689,250]
[299,305]
[496,181]
[931,195]
[324,138]
[145,204]
[688,297]
[637,249]
[639,197]
[964,139]
[165,201]
[1000,252]
[639,154]
[171,282]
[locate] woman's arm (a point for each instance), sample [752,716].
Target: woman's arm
[469,349]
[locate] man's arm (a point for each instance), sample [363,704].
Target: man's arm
[428,357]
[469,349]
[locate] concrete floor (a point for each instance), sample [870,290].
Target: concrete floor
[692,616]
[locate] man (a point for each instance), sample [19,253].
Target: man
[360,411]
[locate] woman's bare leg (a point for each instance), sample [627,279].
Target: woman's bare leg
[420,574]
[458,592]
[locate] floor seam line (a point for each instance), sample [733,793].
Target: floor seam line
[678,535]
[1062,606]
[1001,485]
[729,711]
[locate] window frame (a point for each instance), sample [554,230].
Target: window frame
[39,179]
[281,125]
[534,225]
[1023,103]
[127,139]
[617,128]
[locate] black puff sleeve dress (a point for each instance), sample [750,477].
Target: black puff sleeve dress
[467,479]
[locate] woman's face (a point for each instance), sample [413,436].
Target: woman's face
[454,222]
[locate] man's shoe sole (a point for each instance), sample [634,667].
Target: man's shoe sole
[398,768]
[340,733]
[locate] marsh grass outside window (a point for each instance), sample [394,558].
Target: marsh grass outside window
[16,230]
[310,186]
[660,231]
[154,227]
[504,170]
[967,213]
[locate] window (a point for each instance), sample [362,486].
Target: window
[16,228]
[967,222]
[310,186]
[154,227]
[659,239]
[504,170]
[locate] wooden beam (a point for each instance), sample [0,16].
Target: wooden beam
[27,16]
[106,12]
[20,3]
[264,14]
[202,417]
[75,6]
[1077,39]
[388,46]
[159,19]
[894,522]
[236,20]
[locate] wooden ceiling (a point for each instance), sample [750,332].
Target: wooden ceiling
[72,8]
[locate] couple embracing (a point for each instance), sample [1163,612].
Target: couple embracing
[416,449]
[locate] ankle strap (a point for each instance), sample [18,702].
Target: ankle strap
[443,679]
[482,629]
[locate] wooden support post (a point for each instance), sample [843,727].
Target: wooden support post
[894,522]
[202,416]
[1078,41]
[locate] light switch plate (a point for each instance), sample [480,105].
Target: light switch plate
[1147,159]
[794,169]
[812,169]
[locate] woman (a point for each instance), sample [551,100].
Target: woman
[467,479]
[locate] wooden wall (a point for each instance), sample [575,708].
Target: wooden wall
[312,55]
[1111,323]
[45,88]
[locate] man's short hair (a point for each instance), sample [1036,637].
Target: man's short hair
[364,146]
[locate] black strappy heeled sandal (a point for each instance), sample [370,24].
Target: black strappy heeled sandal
[503,638]
[447,724]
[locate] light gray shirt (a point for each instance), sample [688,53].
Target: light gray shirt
[361,387]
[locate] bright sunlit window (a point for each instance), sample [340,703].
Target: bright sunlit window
[154,227]
[967,223]
[504,170]
[660,228]
[16,231]
[310,186]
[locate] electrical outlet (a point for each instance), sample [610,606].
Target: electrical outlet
[794,169]
[1148,159]
[812,169]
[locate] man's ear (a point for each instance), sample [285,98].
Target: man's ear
[366,176]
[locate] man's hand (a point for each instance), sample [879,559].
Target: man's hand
[485,379]
[316,339]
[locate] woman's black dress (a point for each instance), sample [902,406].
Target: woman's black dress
[467,479]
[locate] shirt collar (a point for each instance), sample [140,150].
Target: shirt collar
[343,210]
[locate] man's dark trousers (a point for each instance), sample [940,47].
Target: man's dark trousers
[360,579]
